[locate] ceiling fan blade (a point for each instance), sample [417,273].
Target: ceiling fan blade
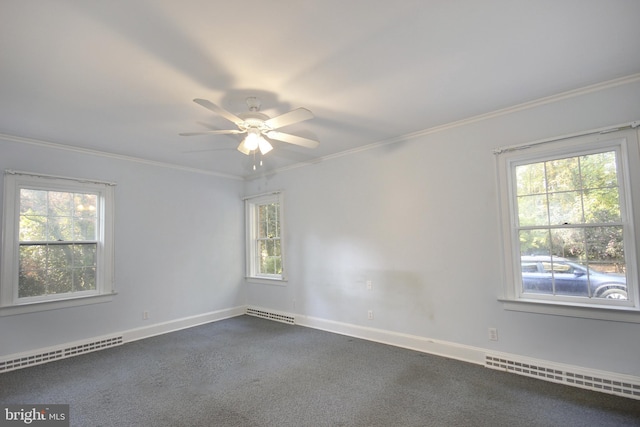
[293,116]
[219,110]
[293,139]
[212,132]
[207,125]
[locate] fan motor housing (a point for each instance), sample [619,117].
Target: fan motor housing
[253,119]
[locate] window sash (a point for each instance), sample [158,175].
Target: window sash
[262,259]
[75,270]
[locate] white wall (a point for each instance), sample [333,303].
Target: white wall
[178,242]
[419,218]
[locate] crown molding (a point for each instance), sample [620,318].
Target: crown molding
[463,122]
[106,154]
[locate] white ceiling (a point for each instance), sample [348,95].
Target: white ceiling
[120,76]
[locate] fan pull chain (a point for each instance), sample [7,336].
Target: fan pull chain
[254,160]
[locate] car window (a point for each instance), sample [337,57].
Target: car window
[556,267]
[529,267]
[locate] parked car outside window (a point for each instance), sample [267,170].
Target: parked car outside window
[560,276]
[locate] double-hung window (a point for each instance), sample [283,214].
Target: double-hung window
[264,245]
[568,221]
[58,244]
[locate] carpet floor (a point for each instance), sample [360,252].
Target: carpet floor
[247,371]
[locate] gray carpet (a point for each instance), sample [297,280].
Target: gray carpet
[247,371]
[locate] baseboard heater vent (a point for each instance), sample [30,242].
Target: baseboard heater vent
[63,353]
[600,383]
[271,316]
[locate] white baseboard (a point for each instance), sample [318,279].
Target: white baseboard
[183,323]
[411,342]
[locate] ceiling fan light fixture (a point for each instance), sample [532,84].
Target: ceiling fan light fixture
[252,140]
[264,146]
[243,149]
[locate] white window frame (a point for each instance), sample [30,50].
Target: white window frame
[626,145]
[10,303]
[251,222]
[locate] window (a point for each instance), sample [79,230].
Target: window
[568,224]
[264,237]
[58,242]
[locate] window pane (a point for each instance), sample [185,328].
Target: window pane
[32,276]
[599,170]
[534,242]
[31,283]
[84,255]
[33,257]
[568,243]
[605,248]
[59,256]
[605,254]
[276,220]
[530,179]
[84,230]
[60,280]
[602,205]
[262,221]
[269,257]
[563,175]
[60,229]
[33,202]
[268,221]
[270,265]
[60,204]
[565,208]
[85,205]
[532,210]
[569,278]
[84,279]
[33,228]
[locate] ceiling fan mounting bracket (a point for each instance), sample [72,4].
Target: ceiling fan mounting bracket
[253,103]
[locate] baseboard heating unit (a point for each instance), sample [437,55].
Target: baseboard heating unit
[278,317]
[597,381]
[38,358]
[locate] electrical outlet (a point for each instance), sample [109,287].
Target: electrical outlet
[493,334]
[370,314]
[145,315]
[369,285]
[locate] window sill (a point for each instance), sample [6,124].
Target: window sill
[613,314]
[278,281]
[54,305]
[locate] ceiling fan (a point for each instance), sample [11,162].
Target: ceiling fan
[258,126]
